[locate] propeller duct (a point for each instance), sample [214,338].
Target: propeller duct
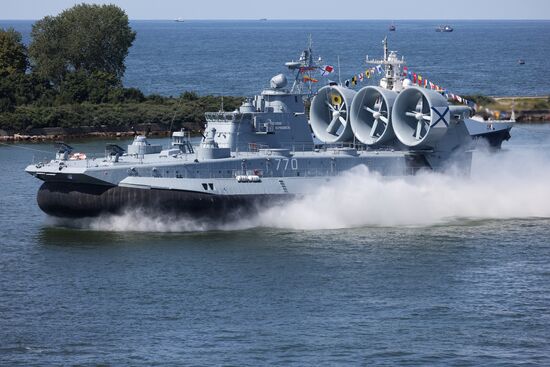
[370,115]
[420,117]
[329,114]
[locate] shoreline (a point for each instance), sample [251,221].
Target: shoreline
[48,134]
[22,138]
[30,138]
[528,110]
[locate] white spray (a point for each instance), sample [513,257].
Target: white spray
[513,184]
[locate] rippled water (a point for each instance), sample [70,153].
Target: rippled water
[430,270]
[464,285]
[239,57]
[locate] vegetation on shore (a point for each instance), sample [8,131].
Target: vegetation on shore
[170,112]
[507,103]
[528,109]
[70,76]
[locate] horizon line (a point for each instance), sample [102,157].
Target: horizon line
[310,19]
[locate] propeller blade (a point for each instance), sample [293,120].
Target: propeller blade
[427,117]
[411,114]
[342,120]
[419,105]
[330,106]
[384,119]
[425,105]
[373,129]
[333,126]
[369,109]
[418,130]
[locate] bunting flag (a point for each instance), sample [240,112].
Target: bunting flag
[414,77]
[307,78]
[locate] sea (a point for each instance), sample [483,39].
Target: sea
[438,269]
[238,57]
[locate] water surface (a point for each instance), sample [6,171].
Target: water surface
[126,291]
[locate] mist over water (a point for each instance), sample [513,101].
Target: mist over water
[509,185]
[503,185]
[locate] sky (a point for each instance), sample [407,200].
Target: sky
[295,9]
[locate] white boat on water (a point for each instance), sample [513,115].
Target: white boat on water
[444,28]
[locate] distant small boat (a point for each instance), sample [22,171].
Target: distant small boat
[263,19]
[392,27]
[521,61]
[179,20]
[444,28]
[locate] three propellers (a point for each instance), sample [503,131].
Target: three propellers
[418,117]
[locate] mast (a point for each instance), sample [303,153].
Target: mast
[393,77]
[339,78]
[303,67]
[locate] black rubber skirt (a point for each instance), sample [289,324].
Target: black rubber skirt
[64,199]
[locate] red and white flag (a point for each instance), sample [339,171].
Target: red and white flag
[327,69]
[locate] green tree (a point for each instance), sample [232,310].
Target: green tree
[13,65]
[78,87]
[13,54]
[85,38]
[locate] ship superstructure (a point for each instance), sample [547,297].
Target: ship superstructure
[264,151]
